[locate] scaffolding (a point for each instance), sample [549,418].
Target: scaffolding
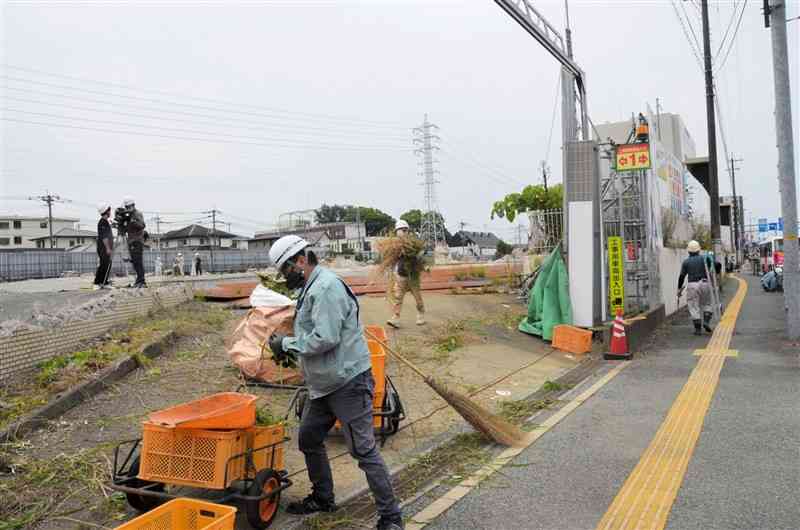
[627,212]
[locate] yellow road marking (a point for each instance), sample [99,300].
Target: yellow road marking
[445,502]
[646,498]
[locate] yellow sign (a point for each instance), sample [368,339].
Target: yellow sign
[616,275]
[631,157]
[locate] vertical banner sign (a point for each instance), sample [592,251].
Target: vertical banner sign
[616,278]
[631,157]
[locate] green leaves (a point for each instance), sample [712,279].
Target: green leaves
[532,198]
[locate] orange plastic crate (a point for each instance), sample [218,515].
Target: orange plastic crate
[197,457]
[185,514]
[226,410]
[378,331]
[572,339]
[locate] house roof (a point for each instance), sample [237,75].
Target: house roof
[482,239]
[196,231]
[313,237]
[67,233]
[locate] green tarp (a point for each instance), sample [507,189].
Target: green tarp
[549,303]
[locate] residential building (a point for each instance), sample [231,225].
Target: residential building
[474,244]
[339,238]
[67,238]
[19,231]
[197,237]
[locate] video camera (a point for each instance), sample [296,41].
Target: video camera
[122,216]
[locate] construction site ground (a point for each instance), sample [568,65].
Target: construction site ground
[470,340]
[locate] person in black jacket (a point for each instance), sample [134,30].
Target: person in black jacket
[698,289]
[105,247]
[136,235]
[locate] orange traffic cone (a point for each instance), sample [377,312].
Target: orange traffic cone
[619,342]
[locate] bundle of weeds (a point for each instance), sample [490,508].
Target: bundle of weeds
[394,249]
[273,283]
[265,417]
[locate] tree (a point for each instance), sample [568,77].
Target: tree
[414,220]
[503,249]
[532,198]
[375,221]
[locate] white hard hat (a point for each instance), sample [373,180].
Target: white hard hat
[693,246]
[128,201]
[285,248]
[180,253]
[400,225]
[103,207]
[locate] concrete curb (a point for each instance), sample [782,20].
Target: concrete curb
[581,372]
[639,331]
[73,397]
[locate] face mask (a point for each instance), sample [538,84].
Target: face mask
[294,278]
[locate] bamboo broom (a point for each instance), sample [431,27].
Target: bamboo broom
[490,425]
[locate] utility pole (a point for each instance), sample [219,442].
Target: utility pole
[213,213]
[49,200]
[713,182]
[775,10]
[735,210]
[544,174]
[157,219]
[658,118]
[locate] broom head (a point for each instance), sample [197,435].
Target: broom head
[490,425]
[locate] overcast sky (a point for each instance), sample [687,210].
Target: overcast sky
[258,108]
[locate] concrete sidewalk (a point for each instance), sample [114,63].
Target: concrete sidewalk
[744,471]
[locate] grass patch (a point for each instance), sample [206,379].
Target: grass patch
[518,411]
[42,489]
[552,386]
[448,337]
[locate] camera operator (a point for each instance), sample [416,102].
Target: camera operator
[134,226]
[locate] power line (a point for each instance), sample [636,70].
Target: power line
[175,137]
[733,39]
[691,39]
[727,30]
[179,130]
[216,119]
[290,114]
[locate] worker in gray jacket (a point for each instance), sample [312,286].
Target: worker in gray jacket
[329,342]
[698,289]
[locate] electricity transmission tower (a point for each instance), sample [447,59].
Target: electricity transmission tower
[427,141]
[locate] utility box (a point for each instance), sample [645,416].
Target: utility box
[582,212]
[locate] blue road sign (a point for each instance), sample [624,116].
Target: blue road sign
[780,224]
[762,225]
[773,227]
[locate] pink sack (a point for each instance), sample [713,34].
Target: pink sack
[248,348]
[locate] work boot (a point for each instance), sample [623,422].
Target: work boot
[310,505]
[697,330]
[420,318]
[707,322]
[390,523]
[394,321]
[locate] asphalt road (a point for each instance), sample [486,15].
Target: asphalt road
[745,470]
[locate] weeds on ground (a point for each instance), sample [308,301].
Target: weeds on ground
[474,273]
[519,411]
[448,336]
[42,489]
[552,386]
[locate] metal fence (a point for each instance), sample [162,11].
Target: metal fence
[546,230]
[31,264]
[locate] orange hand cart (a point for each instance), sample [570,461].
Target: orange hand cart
[244,465]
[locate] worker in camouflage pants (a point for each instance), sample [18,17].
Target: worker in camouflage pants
[406,278]
[698,288]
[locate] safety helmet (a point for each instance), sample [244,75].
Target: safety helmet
[285,248]
[401,224]
[693,246]
[103,207]
[128,201]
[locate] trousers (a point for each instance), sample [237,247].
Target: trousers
[136,249]
[352,405]
[403,285]
[103,269]
[698,297]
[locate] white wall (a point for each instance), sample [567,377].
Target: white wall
[669,262]
[29,229]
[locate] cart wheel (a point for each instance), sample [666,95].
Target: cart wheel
[142,503]
[261,513]
[398,413]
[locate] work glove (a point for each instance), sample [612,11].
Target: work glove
[282,357]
